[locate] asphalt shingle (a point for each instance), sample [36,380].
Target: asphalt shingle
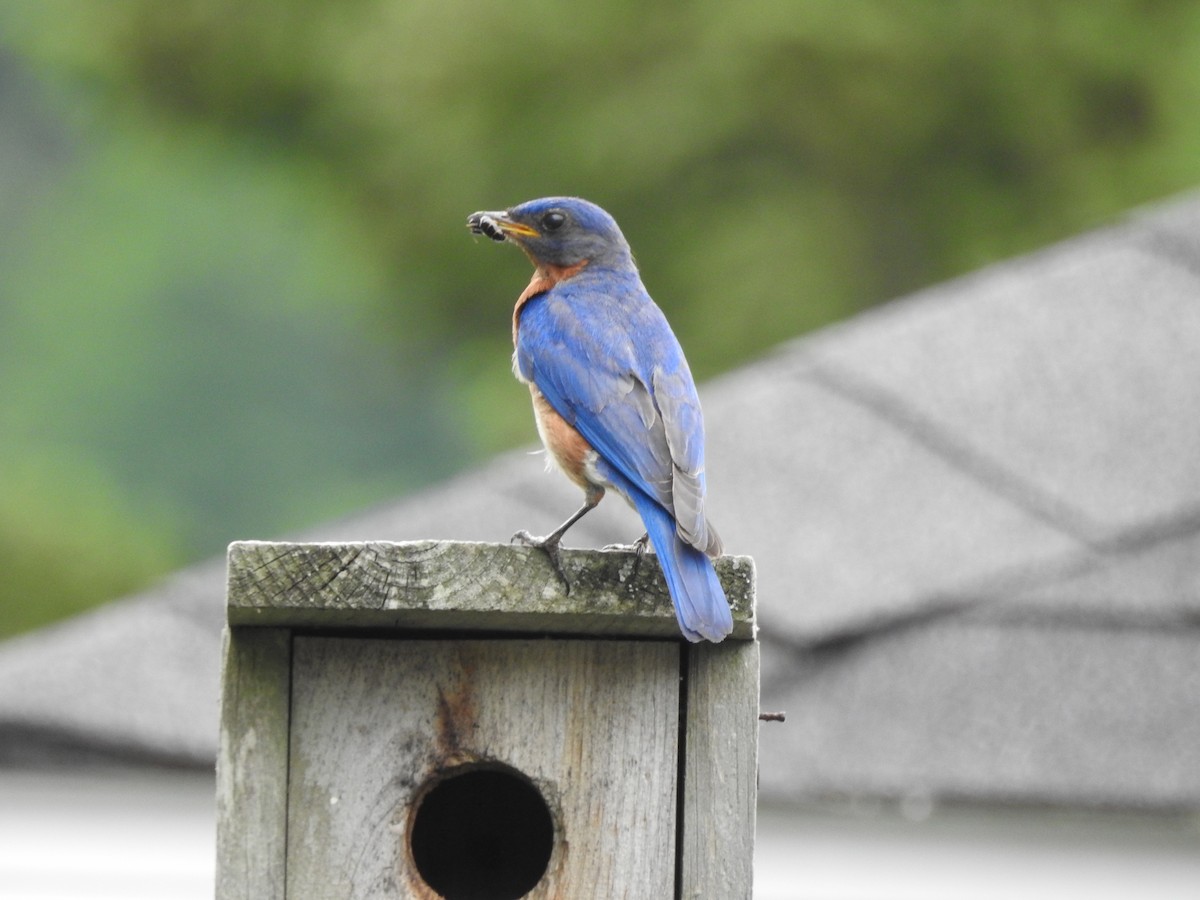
[951,710]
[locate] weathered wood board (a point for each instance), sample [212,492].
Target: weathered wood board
[593,724]
[720,786]
[252,764]
[462,585]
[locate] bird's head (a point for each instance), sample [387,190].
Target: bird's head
[558,231]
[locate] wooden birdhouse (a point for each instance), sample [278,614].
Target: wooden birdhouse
[436,719]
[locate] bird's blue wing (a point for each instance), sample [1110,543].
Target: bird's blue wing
[605,358]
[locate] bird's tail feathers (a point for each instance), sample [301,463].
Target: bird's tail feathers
[700,603]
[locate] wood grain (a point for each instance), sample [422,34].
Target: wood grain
[459,585]
[720,784]
[252,764]
[593,724]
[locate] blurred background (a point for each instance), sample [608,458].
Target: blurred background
[237,296]
[237,299]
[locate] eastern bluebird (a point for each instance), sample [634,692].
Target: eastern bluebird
[613,397]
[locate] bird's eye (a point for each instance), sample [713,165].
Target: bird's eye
[552,221]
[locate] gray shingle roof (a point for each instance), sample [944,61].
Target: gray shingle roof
[976,518]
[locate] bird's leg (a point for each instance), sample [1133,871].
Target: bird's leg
[550,543]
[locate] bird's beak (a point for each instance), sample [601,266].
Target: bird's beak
[498,226]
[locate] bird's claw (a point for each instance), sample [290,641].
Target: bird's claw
[638,546]
[639,549]
[549,546]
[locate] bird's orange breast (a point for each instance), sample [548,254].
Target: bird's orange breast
[566,446]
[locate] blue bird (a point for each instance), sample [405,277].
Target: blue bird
[613,397]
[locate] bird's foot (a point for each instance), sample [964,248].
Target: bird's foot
[548,545]
[638,547]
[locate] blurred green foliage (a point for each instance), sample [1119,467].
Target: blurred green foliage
[237,295]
